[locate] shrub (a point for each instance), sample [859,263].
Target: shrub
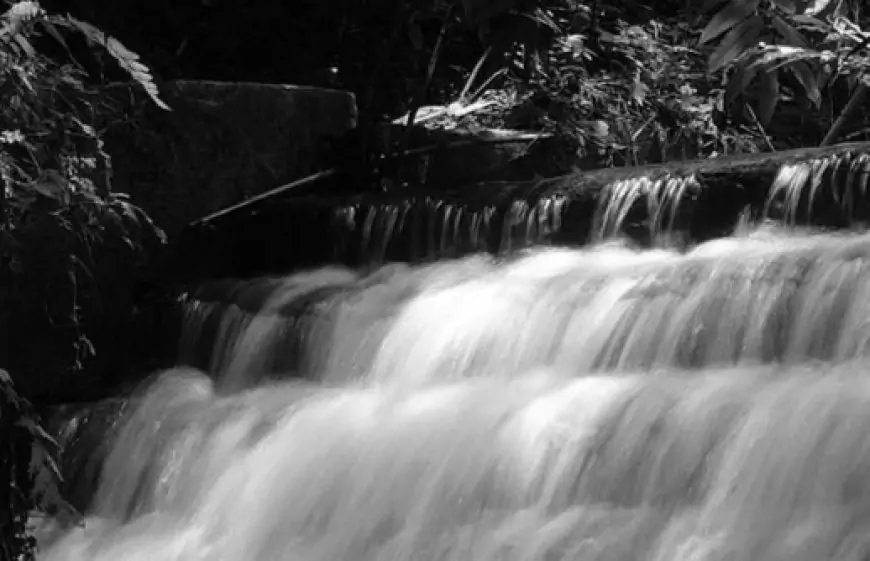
[65,238]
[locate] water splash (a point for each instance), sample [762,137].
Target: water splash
[745,464]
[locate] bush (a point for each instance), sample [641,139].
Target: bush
[67,242]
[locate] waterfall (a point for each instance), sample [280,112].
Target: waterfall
[764,296]
[605,403]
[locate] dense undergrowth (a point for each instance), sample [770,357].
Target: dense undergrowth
[622,83]
[638,66]
[68,244]
[631,86]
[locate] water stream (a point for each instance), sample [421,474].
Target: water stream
[605,403]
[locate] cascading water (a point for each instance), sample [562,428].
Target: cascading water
[564,404]
[596,404]
[750,299]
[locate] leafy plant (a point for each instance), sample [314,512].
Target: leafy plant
[781,47]
[30,473]
[59,220]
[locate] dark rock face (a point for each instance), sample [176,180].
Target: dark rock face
[222,143]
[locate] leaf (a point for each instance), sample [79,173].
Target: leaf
[39,435]
[787,6]
[25,45]
[816,7]
[811,22]
[47,480]
[809,80]
[732,14]
[775,56]
[126,59]
[55,34]
[790,34]
[740,79]
[544,19]
[52,186]
[736,43]
[768,97]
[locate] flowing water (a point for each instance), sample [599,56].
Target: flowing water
[596,404]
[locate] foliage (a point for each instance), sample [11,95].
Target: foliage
[629,89]
[633,95]
[59,220]
[616,91]
[785,50]
[694,99]
[28,467]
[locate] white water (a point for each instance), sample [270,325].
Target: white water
[751,299]
[597,404]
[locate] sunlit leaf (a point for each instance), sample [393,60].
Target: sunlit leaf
[815,7]
[25,45]
[775,56]
[732,14]
[126,59]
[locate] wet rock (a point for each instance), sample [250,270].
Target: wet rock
[696,200]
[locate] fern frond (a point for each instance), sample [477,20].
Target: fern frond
[126,59]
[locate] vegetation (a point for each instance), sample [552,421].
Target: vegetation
[58,218]
[635,86]
[622,82]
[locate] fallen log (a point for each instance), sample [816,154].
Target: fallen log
[694,201]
